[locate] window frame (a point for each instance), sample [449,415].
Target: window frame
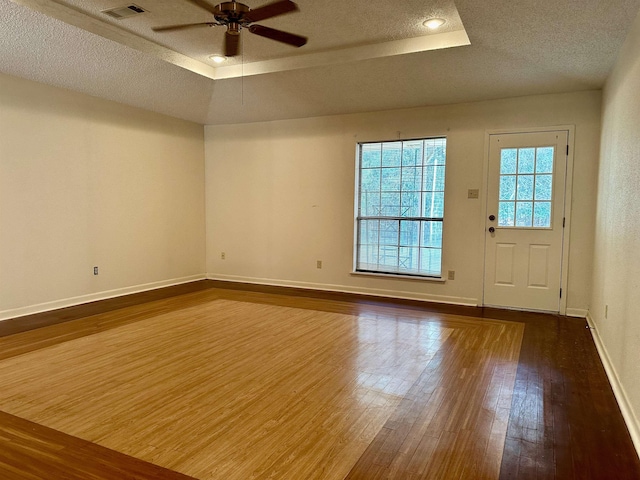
[397,271]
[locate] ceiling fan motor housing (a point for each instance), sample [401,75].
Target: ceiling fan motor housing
[231,12]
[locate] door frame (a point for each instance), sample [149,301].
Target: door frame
[570,129]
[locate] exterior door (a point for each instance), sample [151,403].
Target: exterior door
[525,220]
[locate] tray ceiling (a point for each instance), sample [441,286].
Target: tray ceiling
[361,56]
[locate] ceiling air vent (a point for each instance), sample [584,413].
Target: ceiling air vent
[124,12]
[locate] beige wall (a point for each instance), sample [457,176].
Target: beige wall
[616,279]
[280,195]
[87,182]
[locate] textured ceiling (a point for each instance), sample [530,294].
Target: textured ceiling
[517,48]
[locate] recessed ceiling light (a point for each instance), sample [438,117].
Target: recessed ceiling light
[218,58]
[434,23]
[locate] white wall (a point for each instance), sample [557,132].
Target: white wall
[87,182]
[616,279]
[280,195]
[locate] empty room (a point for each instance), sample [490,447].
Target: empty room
[319,240]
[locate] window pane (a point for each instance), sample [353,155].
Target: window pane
[371,155]
[368,249]
[370,204]
[542,214]
[507,187]
[508,161]
[390,204]
[524,214]
[525,187]
[412,154]
[390,179]
[544,161]
[369,231]
[433,206]
[391,154]
[410,204]
[370,180]
[409,259]
[430,260]
[389,232]
[388,256]
[434,178]
[411,179]
[409,233]
[543,187]
[435,151]
[526,160]
[506,214]
[432,234]
[368,256]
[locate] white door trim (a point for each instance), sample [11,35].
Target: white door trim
[567,198]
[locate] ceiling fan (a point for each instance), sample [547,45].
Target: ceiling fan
[236,16]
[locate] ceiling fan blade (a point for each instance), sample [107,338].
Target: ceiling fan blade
[231,43]
[270,10]
[278,35]
[169,28]
[204,5]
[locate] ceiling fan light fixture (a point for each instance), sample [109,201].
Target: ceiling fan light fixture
[218,58]
[434,23]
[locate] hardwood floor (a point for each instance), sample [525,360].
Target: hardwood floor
[222,383]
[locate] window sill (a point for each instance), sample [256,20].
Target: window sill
[400,276]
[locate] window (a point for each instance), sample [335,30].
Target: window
[400,207]
[526,180]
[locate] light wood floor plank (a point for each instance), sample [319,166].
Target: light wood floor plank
[214,387]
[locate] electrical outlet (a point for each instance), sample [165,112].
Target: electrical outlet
[95,270]
[451,275]
[223,256]
[606,311]
[319,264]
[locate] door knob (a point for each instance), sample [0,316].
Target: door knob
[492,217]
[491,229]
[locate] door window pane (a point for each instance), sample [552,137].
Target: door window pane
[508,187]
[542,215]
[544,160]
[524,214]
[508,161]
[544,184]
[526,160]
[506,214]
[526,187]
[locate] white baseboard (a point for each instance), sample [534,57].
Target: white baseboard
[577,312]
[70,302]
[618,389]
[399,294]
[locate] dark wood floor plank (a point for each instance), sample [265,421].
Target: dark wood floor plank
[62,315]
[31,451]
[562,392]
